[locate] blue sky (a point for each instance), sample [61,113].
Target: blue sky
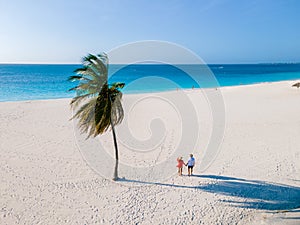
[219,31]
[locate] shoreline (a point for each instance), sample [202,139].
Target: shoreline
[171,91]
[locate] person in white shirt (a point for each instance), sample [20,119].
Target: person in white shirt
[190,164]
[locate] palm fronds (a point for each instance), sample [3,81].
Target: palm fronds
[98,104]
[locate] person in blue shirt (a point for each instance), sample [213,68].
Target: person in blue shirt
[190,164]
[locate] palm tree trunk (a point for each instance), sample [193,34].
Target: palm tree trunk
[116,151]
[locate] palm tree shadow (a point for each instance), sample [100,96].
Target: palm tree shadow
[252,194]
[259,194]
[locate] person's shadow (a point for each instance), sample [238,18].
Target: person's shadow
[257,194]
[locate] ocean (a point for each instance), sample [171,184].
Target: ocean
[19,82]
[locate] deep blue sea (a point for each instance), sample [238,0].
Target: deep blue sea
[32,82]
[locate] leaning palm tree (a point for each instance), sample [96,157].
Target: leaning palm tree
[98,103]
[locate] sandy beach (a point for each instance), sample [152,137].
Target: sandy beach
[47,178]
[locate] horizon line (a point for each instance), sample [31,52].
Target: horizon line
[78,63]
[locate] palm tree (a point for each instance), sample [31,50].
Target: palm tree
[98,103]
[296,85]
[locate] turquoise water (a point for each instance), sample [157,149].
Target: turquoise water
[32,82]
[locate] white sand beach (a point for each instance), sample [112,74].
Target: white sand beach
[46,178]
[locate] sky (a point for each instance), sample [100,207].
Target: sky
[218,31]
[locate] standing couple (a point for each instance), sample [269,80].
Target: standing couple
[190,164]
